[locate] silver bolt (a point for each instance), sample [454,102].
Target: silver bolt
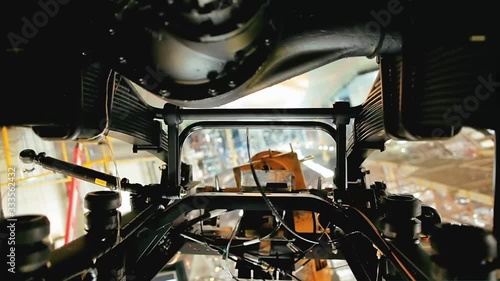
[212,92]
[164,93]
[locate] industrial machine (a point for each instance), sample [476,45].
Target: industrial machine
[72,70]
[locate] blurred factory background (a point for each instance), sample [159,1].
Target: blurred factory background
[454,176]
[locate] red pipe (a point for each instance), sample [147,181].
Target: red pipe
[73,197]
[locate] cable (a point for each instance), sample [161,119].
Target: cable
[310,248]
[204,238]
[102,134]
[323,229]
[291,276]
[302,266]
[378,276]
[111,154]
[268,202]
[106,107]
[393,255]
[226,251]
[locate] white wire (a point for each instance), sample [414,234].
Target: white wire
[106,108]
[111,154]
[102,135]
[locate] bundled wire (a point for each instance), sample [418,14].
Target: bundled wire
[389,253]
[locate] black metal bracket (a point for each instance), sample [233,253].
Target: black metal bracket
[174,114]
[341,121]
[186,132]
[341,113]
[172,118]
[152,236]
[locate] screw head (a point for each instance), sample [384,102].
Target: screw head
[164,93]
[212,92]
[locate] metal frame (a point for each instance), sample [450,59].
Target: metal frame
[150,237]
[340,114]
[155,233]
[314,125]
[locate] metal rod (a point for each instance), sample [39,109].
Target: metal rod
[313,125]
[496,186]
[76,171]
[173,156]
[341,169]
[261,113]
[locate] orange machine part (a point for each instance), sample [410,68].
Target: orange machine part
[275,160]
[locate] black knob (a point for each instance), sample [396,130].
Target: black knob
[31,229]
[403,207]
[99,201]
[30,253]
[27,156]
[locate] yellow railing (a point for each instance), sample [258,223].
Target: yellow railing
[6,147]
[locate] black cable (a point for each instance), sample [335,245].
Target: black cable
[292,276]
[268,202]
[310,248]
[315,227]
[242,258]
[358,261]
[203,234]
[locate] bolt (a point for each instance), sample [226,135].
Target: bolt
[212,92]
[232,84]
[122,60]
[267,41]
[111,31]
[212,75]
[182,192]
[164,93]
